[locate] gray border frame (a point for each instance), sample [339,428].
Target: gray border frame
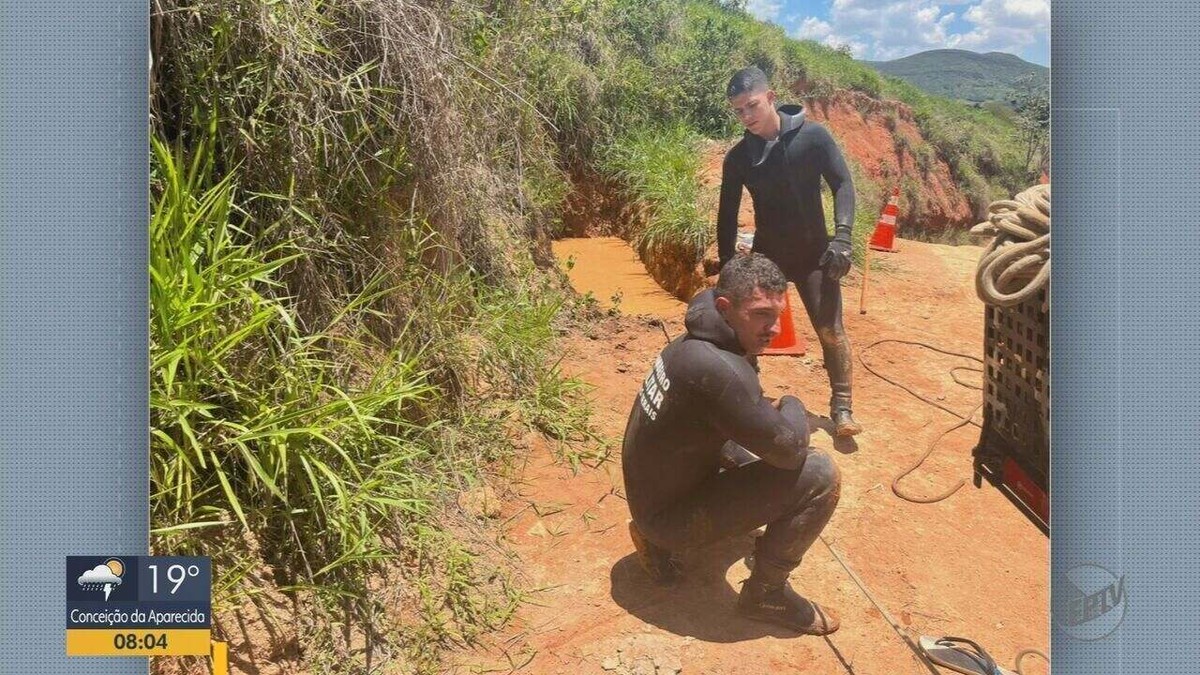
[1126,143]
[74,411]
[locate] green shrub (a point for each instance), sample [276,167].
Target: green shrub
[865,81]
[327,445]
[659,168]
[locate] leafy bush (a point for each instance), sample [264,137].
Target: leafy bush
[328,445]
[867,82]
[335,342]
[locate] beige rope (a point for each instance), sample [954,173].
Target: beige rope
[1016,265]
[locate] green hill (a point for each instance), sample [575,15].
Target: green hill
[961,74]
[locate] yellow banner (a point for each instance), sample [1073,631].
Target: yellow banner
[138,642]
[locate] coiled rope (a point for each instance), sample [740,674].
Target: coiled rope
[1016,265]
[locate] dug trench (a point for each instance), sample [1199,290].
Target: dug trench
[970,565]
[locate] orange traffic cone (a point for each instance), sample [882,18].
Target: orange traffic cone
[787,343]
[885,230]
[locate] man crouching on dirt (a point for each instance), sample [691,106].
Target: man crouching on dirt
[702,392]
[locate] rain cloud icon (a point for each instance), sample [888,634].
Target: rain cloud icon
[103,576]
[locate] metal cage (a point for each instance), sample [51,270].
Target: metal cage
[1014,447]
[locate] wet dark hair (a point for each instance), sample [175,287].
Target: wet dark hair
[744,273]
[747,80]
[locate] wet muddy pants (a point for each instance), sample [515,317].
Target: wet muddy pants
[794,504]
[822,298]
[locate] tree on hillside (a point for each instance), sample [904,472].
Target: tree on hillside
[1031,101]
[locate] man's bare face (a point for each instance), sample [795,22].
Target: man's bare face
[755,320]
[756,112]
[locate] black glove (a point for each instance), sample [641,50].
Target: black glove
[836,259]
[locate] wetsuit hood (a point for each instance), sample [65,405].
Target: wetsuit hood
[791,118]
[704,322]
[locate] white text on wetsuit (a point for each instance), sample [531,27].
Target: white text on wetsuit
[653,388]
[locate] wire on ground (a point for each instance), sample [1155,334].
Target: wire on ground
[964,420]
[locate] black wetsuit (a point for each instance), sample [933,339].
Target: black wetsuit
[702,392]
[784,181]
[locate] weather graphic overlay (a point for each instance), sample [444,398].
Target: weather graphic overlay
[138,605]
[103,576]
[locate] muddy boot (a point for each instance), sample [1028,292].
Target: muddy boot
[657,561]
[836,350]
[779,604]
[844,424]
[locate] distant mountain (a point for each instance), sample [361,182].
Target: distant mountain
[961,74]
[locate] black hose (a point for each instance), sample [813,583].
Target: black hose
[963,419]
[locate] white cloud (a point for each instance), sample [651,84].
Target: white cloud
[100,574]
[883,29]
[765,10]
[888,29]
[1008,25]
[812,28]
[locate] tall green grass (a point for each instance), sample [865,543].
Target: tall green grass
[329,445]
[254,419]
[659,168]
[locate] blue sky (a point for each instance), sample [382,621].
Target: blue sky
[881,30]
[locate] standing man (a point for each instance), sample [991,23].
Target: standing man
[702,394]
[781,160]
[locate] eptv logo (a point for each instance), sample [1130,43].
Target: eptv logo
[1093,604]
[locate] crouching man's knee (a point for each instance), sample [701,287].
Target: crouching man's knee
[824,478]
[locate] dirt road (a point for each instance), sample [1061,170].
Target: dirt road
[970,566]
